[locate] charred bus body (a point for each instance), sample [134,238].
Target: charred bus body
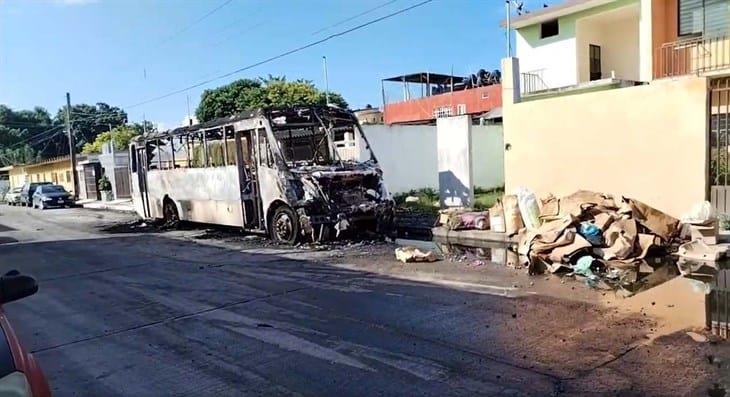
[276,171]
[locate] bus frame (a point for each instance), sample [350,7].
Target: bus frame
[256,186]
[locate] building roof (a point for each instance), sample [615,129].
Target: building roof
[49,161]
[493,114]
[423,77]
[553,12]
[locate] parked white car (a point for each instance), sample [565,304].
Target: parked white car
[12,197]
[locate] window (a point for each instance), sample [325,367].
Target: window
[196,150]
[594,59]
[549,29]
[68,176]
[703,17]
[264,151]
[444,111]
[217,148]
[165,153]
[461,109]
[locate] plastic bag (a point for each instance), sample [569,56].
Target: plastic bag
[512,218]
[592,233]
[474,220]
[496,218]
[528,208]
[701,214]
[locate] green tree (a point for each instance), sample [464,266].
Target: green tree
[272,91]
[88,121]
[22,134]
[121,136]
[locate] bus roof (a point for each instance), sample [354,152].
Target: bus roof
[270,113]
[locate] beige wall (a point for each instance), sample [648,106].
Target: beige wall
[17,176]
[647,142]
[58,173]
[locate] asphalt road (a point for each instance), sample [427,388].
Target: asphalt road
[153,314]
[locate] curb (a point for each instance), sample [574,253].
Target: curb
[107,208]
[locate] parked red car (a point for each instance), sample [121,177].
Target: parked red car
[20,374]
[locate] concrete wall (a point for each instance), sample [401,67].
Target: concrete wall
[487,155]
[110,162]
[456,177]
[408,155]
[647,142]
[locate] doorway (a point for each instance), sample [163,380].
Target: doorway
[594,62]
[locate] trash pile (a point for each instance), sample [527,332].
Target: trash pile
[590,234]
[588,231]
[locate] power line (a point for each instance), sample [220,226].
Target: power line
[282,55]
[37,135]
[195,22]
[99,114]
[34,136]
[23,124]
[387,3]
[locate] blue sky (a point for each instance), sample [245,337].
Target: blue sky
[99,50]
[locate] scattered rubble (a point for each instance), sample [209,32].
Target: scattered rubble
[413,254]
[699,338]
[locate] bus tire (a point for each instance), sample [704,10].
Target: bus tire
[284,226]
[169,212]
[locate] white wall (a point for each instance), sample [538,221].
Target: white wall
[488,155]
[553,58]
[456,184]
[562,60]
[409,158]
[617,33]
[407,155]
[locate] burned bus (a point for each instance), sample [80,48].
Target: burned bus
[275,171]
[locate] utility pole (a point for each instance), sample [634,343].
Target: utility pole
[508,3]
[71,145]
[190,119]
[326,82]
[111,139]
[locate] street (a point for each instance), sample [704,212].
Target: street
[160,313]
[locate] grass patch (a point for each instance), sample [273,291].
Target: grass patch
[428,199]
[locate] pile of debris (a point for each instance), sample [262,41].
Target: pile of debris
[588,231]
[591,234]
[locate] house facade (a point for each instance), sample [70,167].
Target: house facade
[56,170]
[421,98]
[621,96]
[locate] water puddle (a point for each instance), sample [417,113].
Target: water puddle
[689,291]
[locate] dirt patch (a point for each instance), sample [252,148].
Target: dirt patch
[670,365]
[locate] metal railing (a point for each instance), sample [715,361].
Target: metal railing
[695,55]
[532,82]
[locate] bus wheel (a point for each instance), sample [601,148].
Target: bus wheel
[169,212]
[284,227]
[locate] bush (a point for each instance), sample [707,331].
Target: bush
[104,184]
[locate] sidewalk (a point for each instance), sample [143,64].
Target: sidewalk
[122,205]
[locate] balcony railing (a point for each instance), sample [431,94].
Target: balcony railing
[532,82]
[691,56]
